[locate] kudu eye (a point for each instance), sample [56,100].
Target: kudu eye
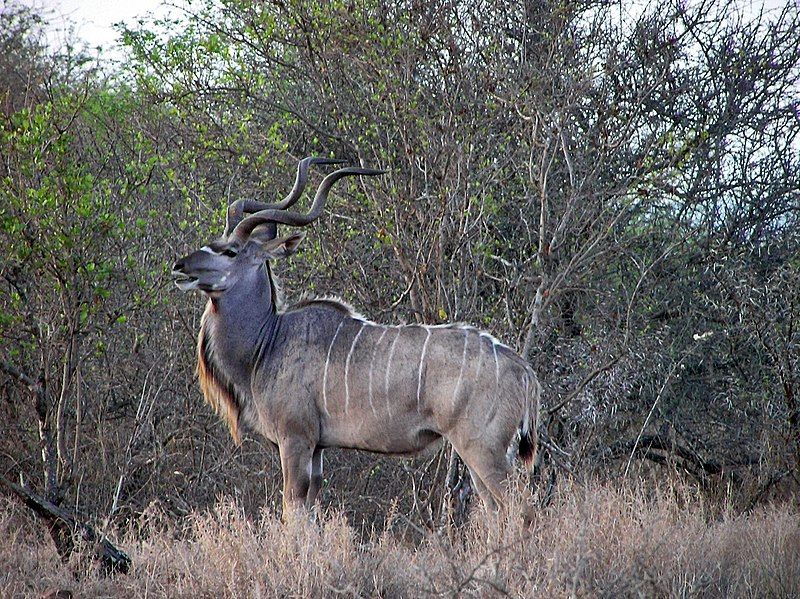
[230,252]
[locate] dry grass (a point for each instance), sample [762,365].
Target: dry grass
[595,540]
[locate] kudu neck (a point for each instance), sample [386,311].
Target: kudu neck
[251,297]
[244,319]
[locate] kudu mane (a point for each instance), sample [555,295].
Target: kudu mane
[218,391]
[331,301]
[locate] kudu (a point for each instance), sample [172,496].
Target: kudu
[319,375]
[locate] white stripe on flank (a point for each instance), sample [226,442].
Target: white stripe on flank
[388,366]
[422,364]
[480,356]
[371,366]
[325,374]
[461,370]
[347,368]
[496,370]
[527,417]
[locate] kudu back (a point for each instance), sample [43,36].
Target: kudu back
[319,375]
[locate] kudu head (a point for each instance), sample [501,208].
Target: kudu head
[218,266]
[249,241]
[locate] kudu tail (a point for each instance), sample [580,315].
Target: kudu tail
[528,437]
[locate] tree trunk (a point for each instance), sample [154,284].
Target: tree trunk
[66,530]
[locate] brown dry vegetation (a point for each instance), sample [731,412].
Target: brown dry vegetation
[593,540]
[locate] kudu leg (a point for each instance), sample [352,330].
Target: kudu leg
[483,492]
[490,471]
[296,458]
[316,478]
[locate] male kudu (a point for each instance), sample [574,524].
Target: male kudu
[318,375]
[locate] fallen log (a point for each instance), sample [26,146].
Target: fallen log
[66,529]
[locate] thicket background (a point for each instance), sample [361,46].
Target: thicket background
[613,191]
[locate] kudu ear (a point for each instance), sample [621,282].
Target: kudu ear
[282,246]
